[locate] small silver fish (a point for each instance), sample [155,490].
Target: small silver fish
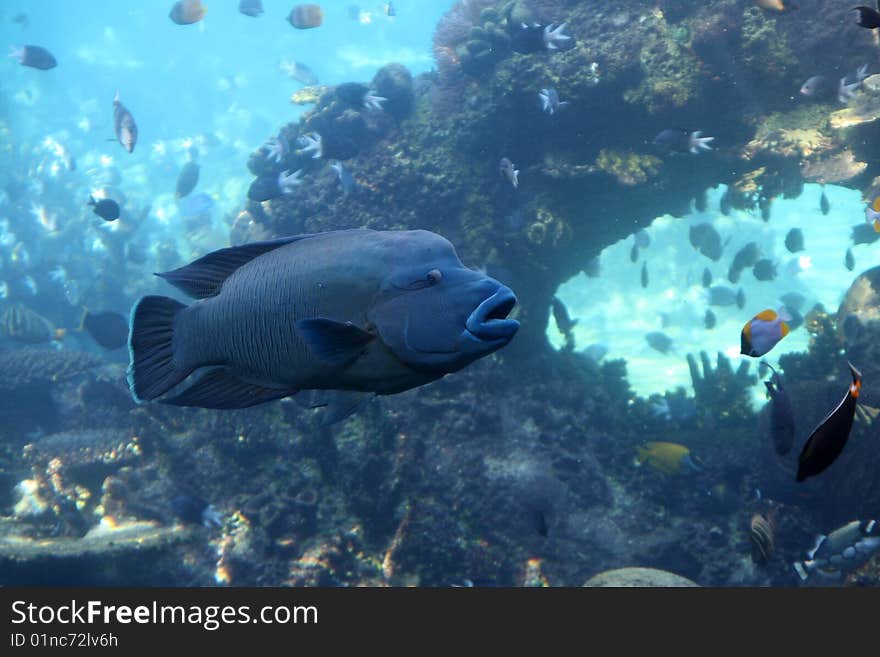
[346,180]
[813,85]
[508,170]
[124,125]
[550,102]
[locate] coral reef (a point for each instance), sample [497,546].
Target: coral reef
[628,168]
[721,388]
[519,469]
[639,577]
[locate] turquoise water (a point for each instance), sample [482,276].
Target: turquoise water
[616,311]
[522,455]
[217,84]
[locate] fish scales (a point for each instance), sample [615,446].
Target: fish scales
[262,340]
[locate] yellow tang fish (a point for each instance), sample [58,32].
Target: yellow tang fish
[668,458]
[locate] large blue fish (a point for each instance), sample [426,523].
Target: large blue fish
[354,310]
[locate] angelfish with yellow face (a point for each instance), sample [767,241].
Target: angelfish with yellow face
[762,332]
[872,214]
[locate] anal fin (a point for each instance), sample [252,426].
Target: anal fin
[219,389]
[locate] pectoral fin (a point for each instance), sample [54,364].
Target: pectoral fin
[336,343]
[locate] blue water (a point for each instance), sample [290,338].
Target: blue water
[217,85]
[481,477]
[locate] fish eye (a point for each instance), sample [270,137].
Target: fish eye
[434,276]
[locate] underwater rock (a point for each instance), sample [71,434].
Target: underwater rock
[639,577]
[309,95]
[106,539]
[83,449]
[789,143]
[865,107]
[394,83]
[629,168]
[344,134]
[246,229]
[25,367]
[858,325]
[836,168]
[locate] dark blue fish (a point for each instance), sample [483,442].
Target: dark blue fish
[108,329]
[747,256]
[354,310]
[828,439]
[266,188]
[252,8]
[35,57]
[187,180]
[527,39]
[682,141]
[196,205]
[106,208]
[724,204]
[706,240]
[781,414]
[659,341]
[764,270]
[709,320]
[869,17]
[707,277]
[563,320]
[864,233]
[764,207]
[794,239]
[719,295]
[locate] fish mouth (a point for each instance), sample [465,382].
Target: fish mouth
[489,322]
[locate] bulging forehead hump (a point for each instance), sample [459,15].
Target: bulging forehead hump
[419,247]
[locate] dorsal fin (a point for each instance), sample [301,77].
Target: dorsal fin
[203,277]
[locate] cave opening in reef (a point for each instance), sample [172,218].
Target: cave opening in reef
[615,313]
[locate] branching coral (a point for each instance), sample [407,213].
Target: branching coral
[721,394]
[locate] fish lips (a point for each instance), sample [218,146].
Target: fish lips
[488,326]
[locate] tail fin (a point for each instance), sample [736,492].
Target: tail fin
[92,202]
[152,371]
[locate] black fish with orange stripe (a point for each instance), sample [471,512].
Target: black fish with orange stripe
[828,439]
